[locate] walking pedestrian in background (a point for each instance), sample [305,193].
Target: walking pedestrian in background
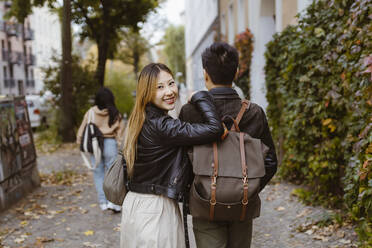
[110,122]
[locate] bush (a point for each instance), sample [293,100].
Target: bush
[318,78]
[122,85]
[244,44]
[84,87]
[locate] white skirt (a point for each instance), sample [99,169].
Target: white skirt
[152,221]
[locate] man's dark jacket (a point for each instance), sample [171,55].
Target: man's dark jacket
[254,123]
[162,165]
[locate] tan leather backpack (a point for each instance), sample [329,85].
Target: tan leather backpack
[227,174]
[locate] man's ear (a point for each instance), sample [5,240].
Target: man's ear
[206,76]
[236,73]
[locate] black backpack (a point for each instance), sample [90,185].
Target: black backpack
[91,142]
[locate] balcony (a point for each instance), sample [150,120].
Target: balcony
[30,83]
[29,34]
[30,59]
[12,57]
[9,83]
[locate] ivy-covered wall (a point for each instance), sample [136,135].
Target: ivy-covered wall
[318,78]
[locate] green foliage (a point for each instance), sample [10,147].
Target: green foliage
[97,18]
[20,9]
[318,78]
[84,87]
[100,21]
[122,86]
[48,140]
[174,49]
[244,44]
[132,48]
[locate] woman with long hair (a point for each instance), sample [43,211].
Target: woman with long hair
[110,122]
[157,162]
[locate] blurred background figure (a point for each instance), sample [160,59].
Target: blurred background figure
[110,122]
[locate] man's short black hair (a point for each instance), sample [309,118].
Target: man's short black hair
[220,60]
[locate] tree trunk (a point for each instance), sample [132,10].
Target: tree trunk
[103,44]
[102,58]
[136,62]
[67,123]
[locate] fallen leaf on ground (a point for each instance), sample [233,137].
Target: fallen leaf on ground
[19,240]
[345,241]
[83,211]
[340,234]
[319,237]
[304,212]
[24,223]
[89,233]
[88,244]
[280,208]
[44,239]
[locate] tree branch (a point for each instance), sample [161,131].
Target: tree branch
[88,20]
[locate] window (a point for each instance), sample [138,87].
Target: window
[21,89]
[11,71]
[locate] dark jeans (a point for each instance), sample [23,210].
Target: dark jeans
[222,234]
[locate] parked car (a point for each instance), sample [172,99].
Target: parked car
[38,110]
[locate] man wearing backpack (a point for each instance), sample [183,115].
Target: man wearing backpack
[220,64]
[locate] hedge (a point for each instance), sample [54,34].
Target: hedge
[318,79]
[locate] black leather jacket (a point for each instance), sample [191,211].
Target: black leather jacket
[162,166]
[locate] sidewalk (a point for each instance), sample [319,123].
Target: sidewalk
[64,213]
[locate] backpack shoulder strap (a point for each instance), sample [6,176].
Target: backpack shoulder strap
[90,116]
[245,105]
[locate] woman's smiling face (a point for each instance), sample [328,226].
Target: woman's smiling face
[166,92]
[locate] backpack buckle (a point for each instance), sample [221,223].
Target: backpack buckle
[214,181]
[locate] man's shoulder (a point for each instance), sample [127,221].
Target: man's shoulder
[254,110]
[190,113]
[253,120]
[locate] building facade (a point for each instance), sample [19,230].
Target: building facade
[262,17]
[201,18]
[26,49]
[17,60]
[47,42]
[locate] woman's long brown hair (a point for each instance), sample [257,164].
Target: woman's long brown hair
[145,92]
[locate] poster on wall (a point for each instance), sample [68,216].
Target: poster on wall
[10,151]
[24,132]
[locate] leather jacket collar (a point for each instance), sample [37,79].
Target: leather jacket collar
[154,111]
[224,93]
